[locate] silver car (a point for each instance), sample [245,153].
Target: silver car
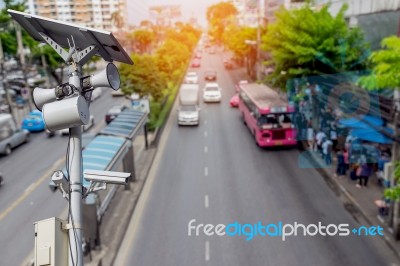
[10,135]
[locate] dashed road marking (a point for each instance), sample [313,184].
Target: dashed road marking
[206,171]
[207,251]
[206,203]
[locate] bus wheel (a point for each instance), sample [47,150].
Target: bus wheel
[244,120]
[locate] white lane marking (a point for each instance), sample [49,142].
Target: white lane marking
[207,251]
[205,134]
[206,171]
[206,201]
[205,149]
[205,122]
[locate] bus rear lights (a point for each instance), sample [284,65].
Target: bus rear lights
[266,135]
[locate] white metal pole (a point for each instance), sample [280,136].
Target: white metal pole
[75,172]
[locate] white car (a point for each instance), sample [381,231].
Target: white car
[191,77]
[212,92]
[85,128]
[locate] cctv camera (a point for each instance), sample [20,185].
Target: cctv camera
[109,177]
[109,77]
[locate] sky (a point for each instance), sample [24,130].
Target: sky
[138,10]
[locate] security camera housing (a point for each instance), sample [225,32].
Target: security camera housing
[109,177]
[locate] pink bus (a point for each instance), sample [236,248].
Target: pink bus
[267,115]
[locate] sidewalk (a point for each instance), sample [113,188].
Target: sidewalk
[361,202]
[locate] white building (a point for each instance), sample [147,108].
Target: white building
[91,13]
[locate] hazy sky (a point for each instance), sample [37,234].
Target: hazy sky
[138,10]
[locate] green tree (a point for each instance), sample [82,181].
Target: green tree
[144,38]
[306,42]
[386,66]
[172,55]
[219,16]
[235,39]
[143,77]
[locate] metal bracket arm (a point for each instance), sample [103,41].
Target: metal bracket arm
[84,55]
[59,50]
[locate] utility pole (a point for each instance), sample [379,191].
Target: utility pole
[258,46]
[22,61]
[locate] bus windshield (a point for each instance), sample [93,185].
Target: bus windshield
[275,120]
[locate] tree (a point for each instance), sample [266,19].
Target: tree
[144,38]
[305,42]
[386,66]
[117,19]
[218,16]
[143,78]
[235,39]
[172,55]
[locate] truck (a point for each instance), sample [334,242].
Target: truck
[188,110]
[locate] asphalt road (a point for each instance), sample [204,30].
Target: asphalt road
[25,197]
[214,173]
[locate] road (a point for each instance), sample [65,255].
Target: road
[25,196]
[214,173]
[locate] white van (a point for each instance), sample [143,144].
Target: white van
[10,135]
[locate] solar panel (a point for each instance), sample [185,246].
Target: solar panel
[62,32]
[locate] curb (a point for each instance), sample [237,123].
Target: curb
[328,176]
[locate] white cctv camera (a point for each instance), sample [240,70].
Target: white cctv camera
[109,177]
[108,77]
[59,179]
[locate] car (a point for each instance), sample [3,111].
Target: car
[85,128]
[211,50]
[237,86]
[228,64]
[10,135]
[197,55]
[96,93]
[196,62]
[191,77]
[212,92]
[210,75]
[234,102]
[113,112]
[34,122]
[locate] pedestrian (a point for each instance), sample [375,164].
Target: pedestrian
[327,151]
[334,138]
[341,164]
[346,158]
[363,174]
[319,138]
[310,136]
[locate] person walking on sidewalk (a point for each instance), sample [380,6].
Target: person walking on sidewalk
[365,172]
[341,165]
[319,138]
[310,136]
[327,151]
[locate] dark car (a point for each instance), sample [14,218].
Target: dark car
[228,64]
[113,112]
[210,75]
[196,62]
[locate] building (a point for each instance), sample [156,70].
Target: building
[377,19]
[165,15]
[98,14]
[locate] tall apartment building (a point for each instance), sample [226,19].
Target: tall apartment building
[92,13]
